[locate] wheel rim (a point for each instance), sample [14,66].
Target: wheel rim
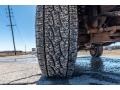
[93,51]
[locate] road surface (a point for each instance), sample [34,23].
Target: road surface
[19,70]
[25,70]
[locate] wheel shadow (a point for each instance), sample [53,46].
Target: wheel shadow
[97,64]
[92,64]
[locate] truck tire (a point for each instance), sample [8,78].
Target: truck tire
[96,51]
[56,39]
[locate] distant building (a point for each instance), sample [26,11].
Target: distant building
[34,51]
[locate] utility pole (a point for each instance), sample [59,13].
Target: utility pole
[11,27]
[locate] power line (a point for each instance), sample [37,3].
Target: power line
[11,27]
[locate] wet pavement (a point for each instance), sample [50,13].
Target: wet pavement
[90,71]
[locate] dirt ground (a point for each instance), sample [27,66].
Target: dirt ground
[110,53]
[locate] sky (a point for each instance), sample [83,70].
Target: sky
[24,31]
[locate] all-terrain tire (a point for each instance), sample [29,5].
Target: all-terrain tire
[56,39]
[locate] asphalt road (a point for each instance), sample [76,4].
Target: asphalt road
[19,70]
[88,71]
